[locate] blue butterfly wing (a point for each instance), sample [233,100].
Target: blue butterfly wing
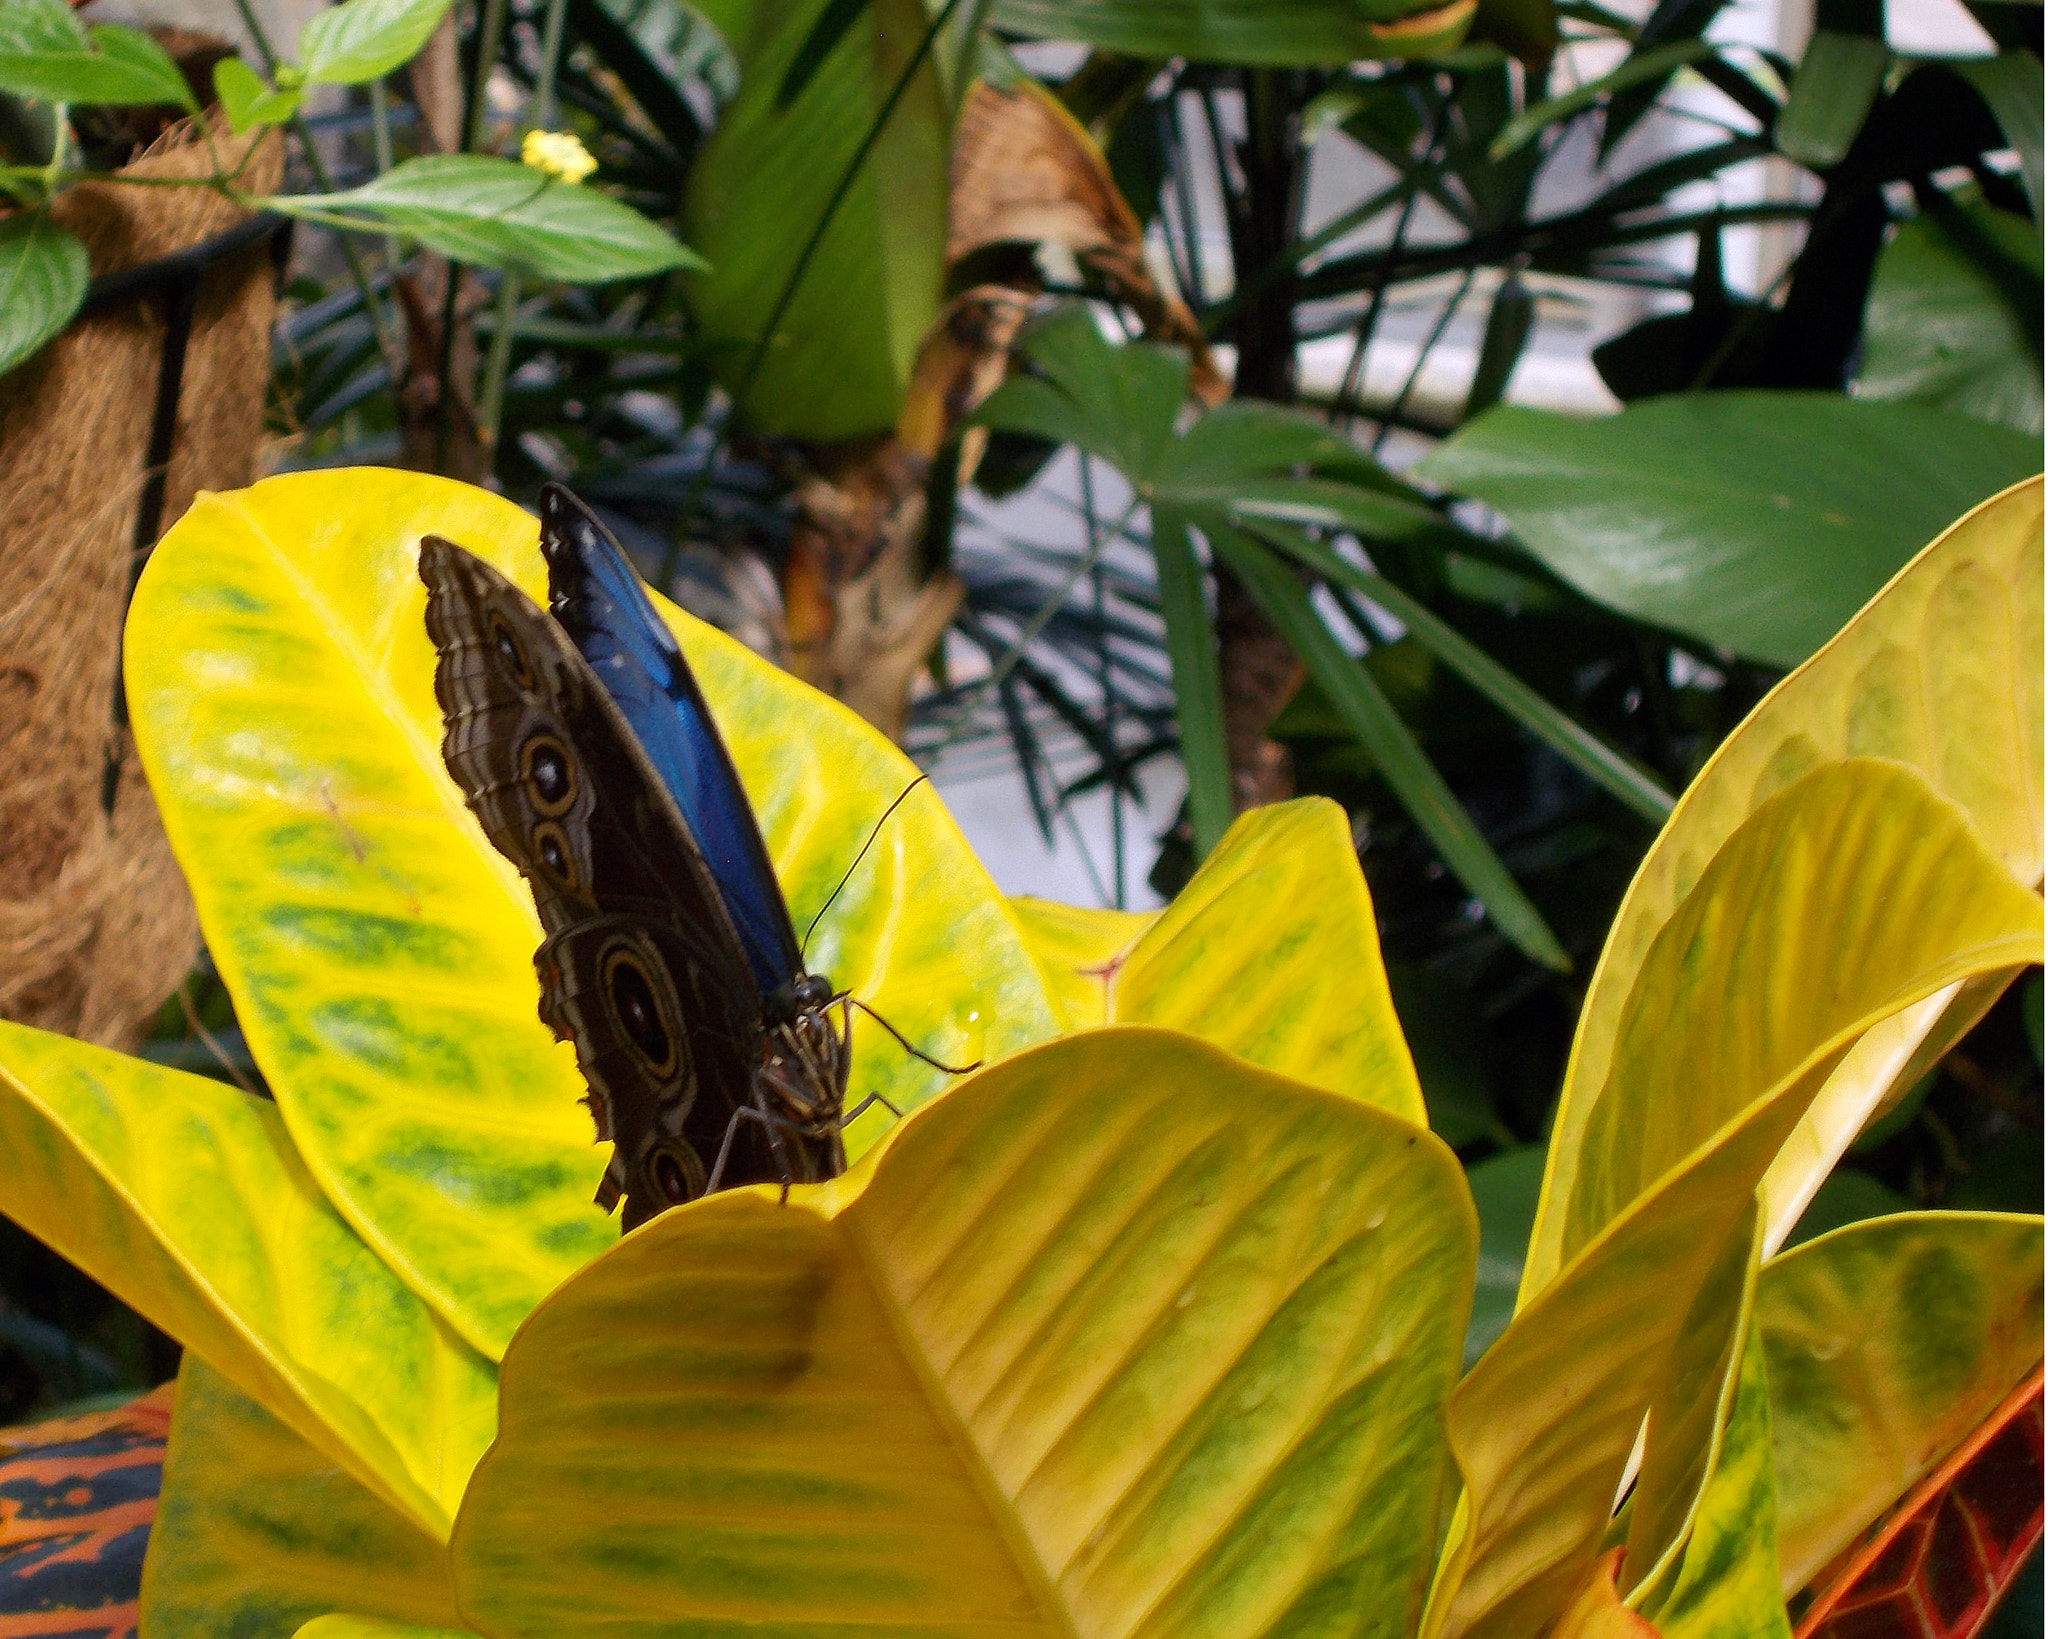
[598,600]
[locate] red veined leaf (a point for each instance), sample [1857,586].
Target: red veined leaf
[1940,1563]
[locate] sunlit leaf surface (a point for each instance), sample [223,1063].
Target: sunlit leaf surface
[1887,1342]
[186,1198]
[1845,898]
[1942,671]
[380,951]
[257,1532]
[1123,1337]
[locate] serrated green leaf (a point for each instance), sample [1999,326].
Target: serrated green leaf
[380,951]
[1121,1335]
[498,213]
[362,40]
[44,54]
[257,1532]
[44,272]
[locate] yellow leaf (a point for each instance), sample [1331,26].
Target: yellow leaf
[379,950]
[186,1198]
[1888,1342]
[1120,1337]
[1853,894]
[1596,1610]
[1270,952]
[1942,670]
[257,1531]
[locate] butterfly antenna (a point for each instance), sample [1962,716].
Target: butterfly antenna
[914,1052]
[804,948]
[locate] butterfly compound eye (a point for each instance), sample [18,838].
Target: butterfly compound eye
[638,1013]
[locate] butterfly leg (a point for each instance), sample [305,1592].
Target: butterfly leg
[846,1120]
[774,1127]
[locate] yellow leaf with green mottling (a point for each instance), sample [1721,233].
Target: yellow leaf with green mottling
[1942,670]
[370,1627]
[1723,1584]
[1887,1342]
[1851,895]
[1270,951]
[380,952]
[257,1532]
[1122,1337]
[187,1200]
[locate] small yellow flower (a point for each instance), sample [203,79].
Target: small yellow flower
[559,153]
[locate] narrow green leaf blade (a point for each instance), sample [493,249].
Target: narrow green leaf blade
[1649,65]
[1838,80]
[498,213]
[1394,750]
[1584,749]
[44,272]
[362,40]
[1197,683]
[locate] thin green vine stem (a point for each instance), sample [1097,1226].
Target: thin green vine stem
[359,276]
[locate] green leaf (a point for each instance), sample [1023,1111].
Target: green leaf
[1508,322]
[44,53]
[1887,1343]
[361,40]
[44,271]
[1302,33]
[1592,755]
[1121,1335]
[1120,403]
[380,951]
[1715,515]
[826,32]
[246,100]
[1197,681]
[257,1532]
[1832,93]
[1724,1585]
[2010,85]
[1948,322]
[498,213]
[1941,672]
[757,190]
[188,1200]
[1653,64]
[1400,760]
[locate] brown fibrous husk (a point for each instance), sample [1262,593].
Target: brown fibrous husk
[97,927]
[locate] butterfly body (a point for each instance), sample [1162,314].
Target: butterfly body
[584,747]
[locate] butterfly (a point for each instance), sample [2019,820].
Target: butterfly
[583,744]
